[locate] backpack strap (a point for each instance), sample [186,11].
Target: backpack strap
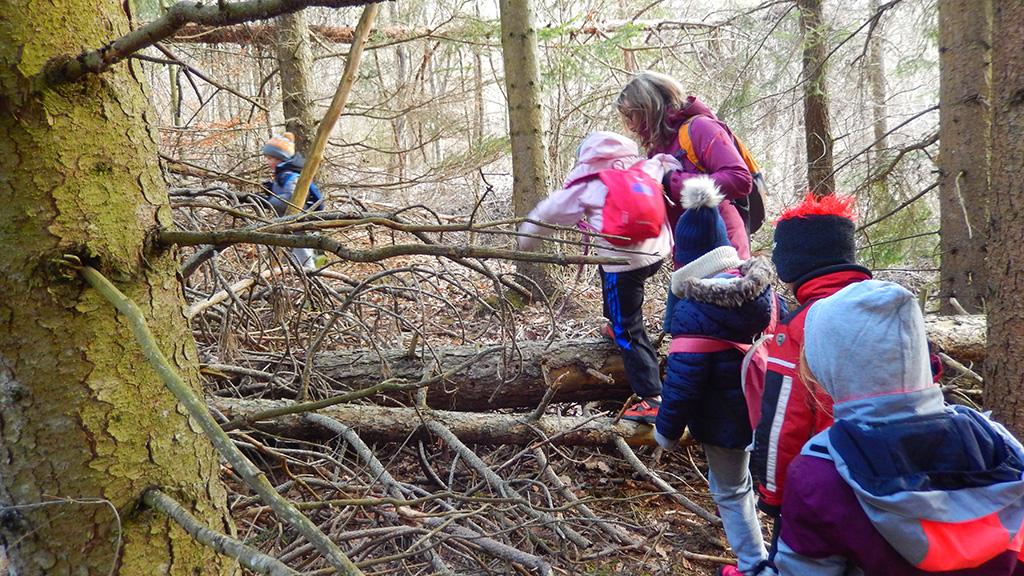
[686,145]
[703,345]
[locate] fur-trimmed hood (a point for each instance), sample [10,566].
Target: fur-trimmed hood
[756,274]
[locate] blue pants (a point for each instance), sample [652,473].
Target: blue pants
[623,307]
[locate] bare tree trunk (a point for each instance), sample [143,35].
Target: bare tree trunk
[876,83]
[87,425]
[295,58]
[399,124]
[817,125]
[965,92]
[526,130]
[1004,380]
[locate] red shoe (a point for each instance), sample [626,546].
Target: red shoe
[645,411]
[607,331]
[728,571]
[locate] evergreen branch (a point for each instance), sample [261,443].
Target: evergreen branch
[197,410]
[247,556]
[71,69]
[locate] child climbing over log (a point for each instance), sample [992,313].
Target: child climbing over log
[610,177]
[722,304]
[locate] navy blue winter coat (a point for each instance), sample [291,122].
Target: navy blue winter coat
[702,391]
[281,188]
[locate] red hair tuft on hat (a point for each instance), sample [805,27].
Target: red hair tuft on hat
[830,205]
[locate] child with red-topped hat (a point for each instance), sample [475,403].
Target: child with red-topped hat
[815,254]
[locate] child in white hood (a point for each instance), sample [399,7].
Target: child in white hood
[582,198]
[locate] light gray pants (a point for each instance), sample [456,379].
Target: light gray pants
[733,491]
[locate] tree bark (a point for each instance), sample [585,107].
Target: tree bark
[86,421]
[1004,374]
[965,91]
[381,424]
[581,370]
[295,59]
[876,84]
[526,130]
[478,387]
[817,125]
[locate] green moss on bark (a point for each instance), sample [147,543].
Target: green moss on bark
[84,415]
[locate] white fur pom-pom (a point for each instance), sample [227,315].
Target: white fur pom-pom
[700,191]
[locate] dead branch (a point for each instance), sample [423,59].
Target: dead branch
[229,237]
[378,423]
[323,129]
[501,486]
[248,557]
[220,440]
[72,69]
[643,470]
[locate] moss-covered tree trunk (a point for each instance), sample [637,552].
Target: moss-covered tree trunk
[85,421]
[1004,365]
[525,120]
[965,89]
[817,124]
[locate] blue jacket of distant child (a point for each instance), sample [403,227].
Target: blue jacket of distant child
[282,187]
[702,390]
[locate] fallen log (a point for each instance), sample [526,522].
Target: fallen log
[381,424]
[577,366]
[583,370]
[961,337]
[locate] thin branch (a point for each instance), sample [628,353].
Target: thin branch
[642,468]
[197,410]
[323,130]
[503,487]
[71,69]
[908,202]
[247,556]
[229,237]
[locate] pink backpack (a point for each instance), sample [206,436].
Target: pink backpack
[634,207]
[754,369]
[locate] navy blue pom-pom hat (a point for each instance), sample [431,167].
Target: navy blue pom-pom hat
[702,246]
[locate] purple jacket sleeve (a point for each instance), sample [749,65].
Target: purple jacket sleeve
[718,155]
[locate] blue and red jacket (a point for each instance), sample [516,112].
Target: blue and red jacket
[790,413]
[926,490]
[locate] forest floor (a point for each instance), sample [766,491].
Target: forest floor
[269,328]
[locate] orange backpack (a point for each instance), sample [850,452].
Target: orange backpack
[751,208]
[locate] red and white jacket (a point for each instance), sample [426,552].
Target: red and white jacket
[790,412]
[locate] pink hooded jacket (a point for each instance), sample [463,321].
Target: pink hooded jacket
[579,199]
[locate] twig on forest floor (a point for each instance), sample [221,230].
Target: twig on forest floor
[642,468]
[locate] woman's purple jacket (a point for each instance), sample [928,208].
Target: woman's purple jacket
[713,144]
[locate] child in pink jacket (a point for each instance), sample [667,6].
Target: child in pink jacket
[582,198]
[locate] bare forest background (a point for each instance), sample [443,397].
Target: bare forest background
[178,393]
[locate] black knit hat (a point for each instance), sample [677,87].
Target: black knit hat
[817,234]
